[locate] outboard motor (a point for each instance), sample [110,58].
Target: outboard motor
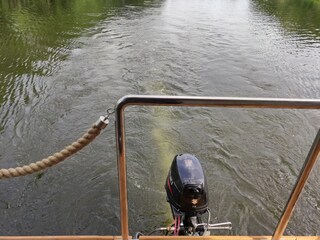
[187,194]
[186,189]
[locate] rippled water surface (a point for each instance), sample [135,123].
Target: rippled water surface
[63,63]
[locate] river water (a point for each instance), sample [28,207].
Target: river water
[63,63]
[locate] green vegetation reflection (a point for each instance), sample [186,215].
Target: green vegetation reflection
[301,16]
[33,31]
[36,37]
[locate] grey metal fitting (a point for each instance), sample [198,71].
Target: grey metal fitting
[102,122]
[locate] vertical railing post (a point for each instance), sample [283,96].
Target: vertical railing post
[300,183]
[122,172]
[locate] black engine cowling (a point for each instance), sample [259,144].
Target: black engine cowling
[186,186]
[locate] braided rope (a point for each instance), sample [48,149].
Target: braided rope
[58,157]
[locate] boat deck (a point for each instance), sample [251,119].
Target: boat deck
[157,237]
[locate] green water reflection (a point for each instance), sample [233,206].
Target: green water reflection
[33,31]
[36,36]
[301,16]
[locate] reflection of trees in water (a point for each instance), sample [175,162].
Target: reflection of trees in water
[35,32]
[36,36]
[301,16]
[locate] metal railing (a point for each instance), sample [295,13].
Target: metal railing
[225,102]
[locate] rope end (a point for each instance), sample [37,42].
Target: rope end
[102,122]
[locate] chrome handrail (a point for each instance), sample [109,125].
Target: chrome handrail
[153,100]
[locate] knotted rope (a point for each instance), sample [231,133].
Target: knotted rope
[58,157]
